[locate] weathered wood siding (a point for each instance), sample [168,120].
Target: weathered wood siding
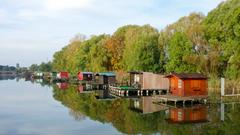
[154,81]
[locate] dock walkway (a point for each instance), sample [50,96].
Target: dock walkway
[126,92]
[176,99]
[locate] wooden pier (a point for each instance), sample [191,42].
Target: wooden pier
[168,99]
[128,92]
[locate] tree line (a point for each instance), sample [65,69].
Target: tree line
[195,43]
[7,68]
[43,67]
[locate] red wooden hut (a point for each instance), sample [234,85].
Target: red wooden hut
[85,76]
[63,75]
[195,114]
[188,84]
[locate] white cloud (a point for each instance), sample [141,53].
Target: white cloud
[2,12]
[3,15]
[66,4]
[47,25]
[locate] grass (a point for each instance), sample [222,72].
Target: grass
[231,87]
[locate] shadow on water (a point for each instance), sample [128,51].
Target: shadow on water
[142,116]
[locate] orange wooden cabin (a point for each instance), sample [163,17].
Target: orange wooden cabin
[195,114]
[188,84]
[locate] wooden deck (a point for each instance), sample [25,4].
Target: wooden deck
[182,100]
[135,92]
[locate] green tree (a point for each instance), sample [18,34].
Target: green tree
[141,49]
[178,49]
[222,29]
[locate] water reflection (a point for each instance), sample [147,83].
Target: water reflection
[194,114]
[63,85]
[7,77]
[34,109]
[145,105]
[141,116]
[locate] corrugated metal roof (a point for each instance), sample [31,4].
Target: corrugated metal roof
[188,75]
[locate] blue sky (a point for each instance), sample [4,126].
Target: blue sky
[32,30]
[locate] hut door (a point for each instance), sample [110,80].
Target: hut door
[180,91]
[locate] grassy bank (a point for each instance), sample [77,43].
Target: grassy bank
[231,87]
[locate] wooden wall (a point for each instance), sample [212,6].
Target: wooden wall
[155,81]
[188,87]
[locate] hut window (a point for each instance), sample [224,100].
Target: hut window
[179,84]
[136,78]
[180,115]
[136,104]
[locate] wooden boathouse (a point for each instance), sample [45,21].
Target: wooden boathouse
[186,88]
[142,84]
[63,76]
[148,80]
[105,78]
[188,84]
[85,76]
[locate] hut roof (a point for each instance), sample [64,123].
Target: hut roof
[188,75]
[86,72]
[135,72]
[106,74]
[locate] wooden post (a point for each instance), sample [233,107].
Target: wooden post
[222,86]
[222,111]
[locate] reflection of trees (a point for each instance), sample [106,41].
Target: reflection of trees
[125,120]
[77,115]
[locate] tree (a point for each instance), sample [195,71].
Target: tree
[179,47]
[222,29]
[141,49]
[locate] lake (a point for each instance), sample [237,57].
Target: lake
[39,108]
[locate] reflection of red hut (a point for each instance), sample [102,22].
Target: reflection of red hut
[63,75]
[195,114]
[188,84]
[85,76]
[80,88]
[62,86]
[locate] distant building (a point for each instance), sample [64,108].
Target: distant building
[63,75]
[85,76]
[17,65]
[105,78]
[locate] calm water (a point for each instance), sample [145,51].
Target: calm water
[29,108]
